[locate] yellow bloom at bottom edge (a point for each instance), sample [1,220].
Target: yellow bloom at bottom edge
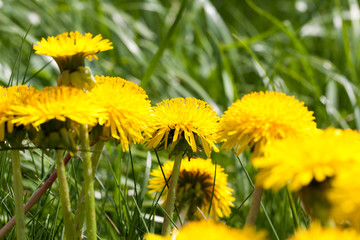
[316,232]
[210,230]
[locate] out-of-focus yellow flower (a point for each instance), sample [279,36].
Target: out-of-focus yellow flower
[299,161]
[127,112]
[210,230]
[261,117]
[187,123]
[11,97]
[344,196]
[316,232]
[70,49]
[195,187]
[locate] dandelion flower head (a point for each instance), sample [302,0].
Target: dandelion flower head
[344,196]
[71,48]
[210,230]
[10,97]
[180,119]
[319,233]
[127,114]
[60,103]
[195,187]
[299,161]
[261,117]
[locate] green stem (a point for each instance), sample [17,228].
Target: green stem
[261,204]
[170,200]
[64,196]
[293,210]
[18,195]
[255,206]
[257,195]
[80,211]
[88,184]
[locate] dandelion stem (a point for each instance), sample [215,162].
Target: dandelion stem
[293,210]
[31,202]
[170,200]
[18,195]
[88,184]
[80,211]
[255,206]
[256,200]
[64,196]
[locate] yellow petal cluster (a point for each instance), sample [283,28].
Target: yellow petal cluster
[116,82]
[344,196]
[59,103]
[70,49]
[316,232]
[210,230]
[190,119]
[127,112]
[192,173]
[298,161]
[9,98]
[71,44]
[261,117]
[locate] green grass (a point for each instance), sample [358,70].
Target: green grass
[216,51]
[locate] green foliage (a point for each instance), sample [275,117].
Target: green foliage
[217,52]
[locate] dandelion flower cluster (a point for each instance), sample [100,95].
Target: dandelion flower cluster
[261,117]
[195,187]
[299,161]
[210,230]
[187,119]
[127,112]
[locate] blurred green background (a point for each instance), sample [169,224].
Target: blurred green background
[216,51]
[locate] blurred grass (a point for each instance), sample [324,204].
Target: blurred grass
[219,51]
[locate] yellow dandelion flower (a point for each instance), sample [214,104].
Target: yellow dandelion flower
[210,230]
[127,112]
[299,161]
[10,97]
[195,187]
[260,117]
[150,236]
[69,49]
[344,196]
[179,119]
[58,103]
[319,233]
[115,82]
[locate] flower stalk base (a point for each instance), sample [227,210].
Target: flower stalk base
[88,184]
[18,195]
[254,207]
[170,200]
[64,196]
[81,211]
